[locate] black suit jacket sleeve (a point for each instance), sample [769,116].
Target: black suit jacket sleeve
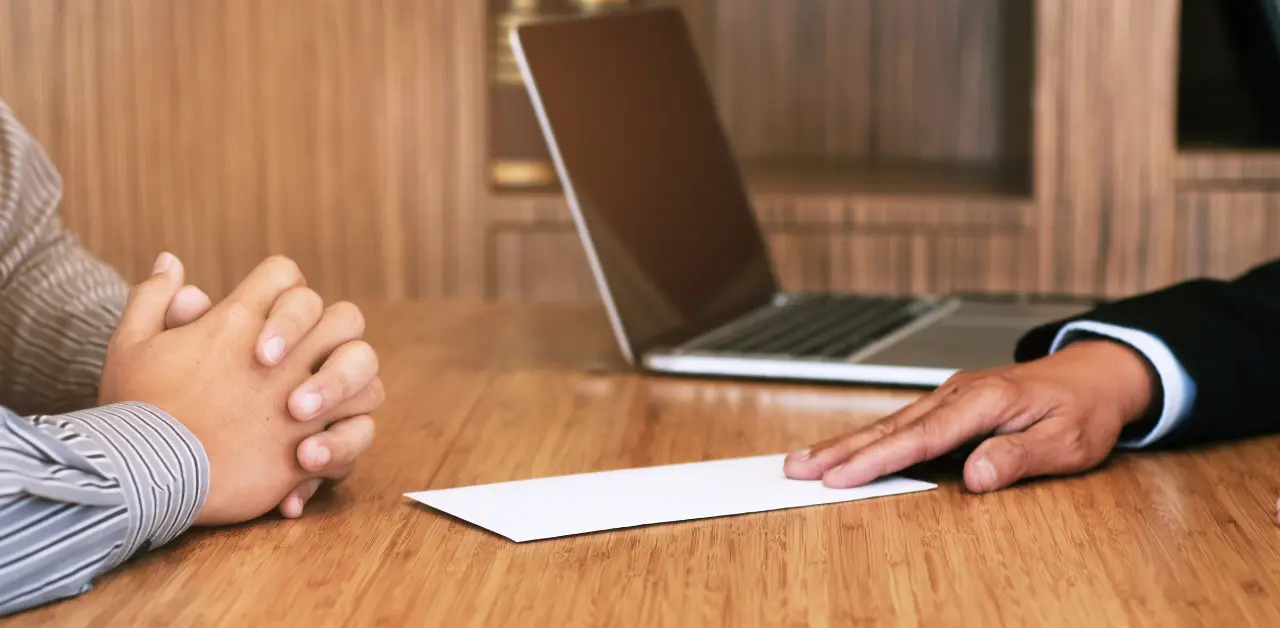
[1225,334]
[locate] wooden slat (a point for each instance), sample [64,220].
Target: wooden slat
[844,78]
[908,262]
[227,130]
[1223,233]
[540,265]
[1105,77]
[546,263]
[821,210]
[1228,169]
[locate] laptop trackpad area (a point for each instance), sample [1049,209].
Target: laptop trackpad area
[976,335]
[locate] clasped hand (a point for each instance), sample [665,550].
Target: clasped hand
[277,388]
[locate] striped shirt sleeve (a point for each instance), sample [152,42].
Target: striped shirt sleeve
[82,492]
[58,304]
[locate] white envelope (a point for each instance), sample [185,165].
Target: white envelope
[528,510]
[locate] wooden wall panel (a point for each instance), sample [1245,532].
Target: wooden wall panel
[546,263]
[1224,233]
[844,78]
[1105,144]
[336,132]
[820,99]
[351,135]
[893,262]
[542,264]
[1228,169]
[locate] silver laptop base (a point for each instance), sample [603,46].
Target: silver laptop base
[796,369]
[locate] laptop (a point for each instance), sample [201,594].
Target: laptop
[678,256]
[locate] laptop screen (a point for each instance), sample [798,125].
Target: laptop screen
[643,153]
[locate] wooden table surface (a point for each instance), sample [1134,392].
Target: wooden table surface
[486,393]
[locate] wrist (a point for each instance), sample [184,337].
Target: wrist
[1120,373]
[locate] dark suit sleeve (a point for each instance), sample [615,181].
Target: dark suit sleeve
[1226,336]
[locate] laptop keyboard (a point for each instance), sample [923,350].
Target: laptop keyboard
[819,326]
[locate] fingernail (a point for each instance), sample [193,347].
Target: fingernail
[163,263]
[986,474]
[273,348]
[310,403]
[319,455]
[799,456]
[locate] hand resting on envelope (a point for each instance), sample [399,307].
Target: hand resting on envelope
[1058,415]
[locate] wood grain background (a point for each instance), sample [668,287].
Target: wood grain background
[343,134]
[891,145]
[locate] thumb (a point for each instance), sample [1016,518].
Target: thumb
[1055,446]
[187,306]
[144,314]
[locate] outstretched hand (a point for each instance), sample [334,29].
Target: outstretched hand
[1058,415]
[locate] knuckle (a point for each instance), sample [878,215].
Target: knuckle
[921,449]
[235,314]
[279,260]
[312,302]
[364,353]
[142,288]
[1017,455]
[336,384]
[1074,446]
[302,309]
[350,317]
[994,391]
[1063,398]
[956,384]
[1018,450]
[151,286]
[927,434]
[368,399]
[353,441]
[352,372]
[957,379]
[366,434]
[284,267]
[883,428]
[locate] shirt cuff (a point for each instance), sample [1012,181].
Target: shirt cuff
[161,466]
[1179,390]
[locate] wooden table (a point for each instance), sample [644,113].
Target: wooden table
[486,394]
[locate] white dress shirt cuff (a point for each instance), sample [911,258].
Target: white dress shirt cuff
[1179,390]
